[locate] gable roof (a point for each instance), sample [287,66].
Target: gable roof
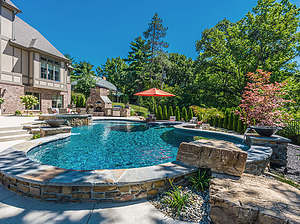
[101,83]
[11,5]
[28,37]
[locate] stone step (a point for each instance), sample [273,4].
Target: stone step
[16,137]
[12,132]
[11,128]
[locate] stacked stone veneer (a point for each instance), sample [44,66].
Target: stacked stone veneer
[257,167]
[92,193]
[278,144]
[74,120]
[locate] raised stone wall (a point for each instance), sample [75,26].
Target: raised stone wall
[73,119]
[92,193]
[11,98]
[277,143]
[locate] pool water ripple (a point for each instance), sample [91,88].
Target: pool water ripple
[112,145]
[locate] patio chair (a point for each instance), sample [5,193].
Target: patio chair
[151,118]
[193,120]
[62,110]
[172,118]
[50,111]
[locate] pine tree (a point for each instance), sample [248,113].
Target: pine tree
[184,114]
[215,122]
[177,113]
[170,111]
[155,33]
[191,113]
[165,113]
[225,121]
[230,121]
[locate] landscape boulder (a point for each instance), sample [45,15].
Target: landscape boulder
[252,199]
[218,156]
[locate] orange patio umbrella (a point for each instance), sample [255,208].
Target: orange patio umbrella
[153,92]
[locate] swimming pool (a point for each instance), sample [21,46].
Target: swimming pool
[116,145]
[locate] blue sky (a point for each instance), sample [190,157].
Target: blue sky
[95,30]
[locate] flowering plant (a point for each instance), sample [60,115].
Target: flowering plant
[263,102]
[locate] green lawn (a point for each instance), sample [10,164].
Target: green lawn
[140,110]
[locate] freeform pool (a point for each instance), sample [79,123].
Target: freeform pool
[115,145]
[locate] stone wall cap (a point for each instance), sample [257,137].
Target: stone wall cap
[273,138]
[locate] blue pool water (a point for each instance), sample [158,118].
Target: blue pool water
[114,145]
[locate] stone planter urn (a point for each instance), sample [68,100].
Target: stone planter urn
[265,131]
[55,123]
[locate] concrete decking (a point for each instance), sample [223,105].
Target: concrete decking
[15,209]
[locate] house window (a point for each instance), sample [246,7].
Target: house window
[57,101]
[37,95]
[50,69]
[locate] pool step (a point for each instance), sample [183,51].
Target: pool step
[12,132]
[15,137]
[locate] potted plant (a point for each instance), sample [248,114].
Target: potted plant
[1,101]
[262,104]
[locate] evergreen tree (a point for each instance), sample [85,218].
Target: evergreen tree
[160,113]
[230,121]
[225,121]
[240,128]
[235,122]
[177,113]
[211,121]
[220,122]
[155,34]
[156,112]
[215,122]
[184,114]
[170,111]
[191,113]
[165,113]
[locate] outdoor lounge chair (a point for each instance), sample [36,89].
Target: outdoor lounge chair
[193,120]
[172,118]
[151,118]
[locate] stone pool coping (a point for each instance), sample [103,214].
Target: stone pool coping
[32,179]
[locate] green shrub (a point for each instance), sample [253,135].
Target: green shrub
[230,121]
[215,121]
[240,127]
[17,112]
[235,122]
[178,199]
[184,115]
[80,100]
[170,111]
[160,113]
[200,180]
[73,98]
[165,113]
[156,112]
[220,122]
[225,121]
[190,113]
[132,113]
[211,121]
[177,113]
[36,136]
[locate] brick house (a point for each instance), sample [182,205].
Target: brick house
[30,64]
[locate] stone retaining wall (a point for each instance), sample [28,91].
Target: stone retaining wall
[92,193]
[74,120]
[257,167]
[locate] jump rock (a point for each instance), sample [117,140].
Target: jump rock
[218,156]
[252,199]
